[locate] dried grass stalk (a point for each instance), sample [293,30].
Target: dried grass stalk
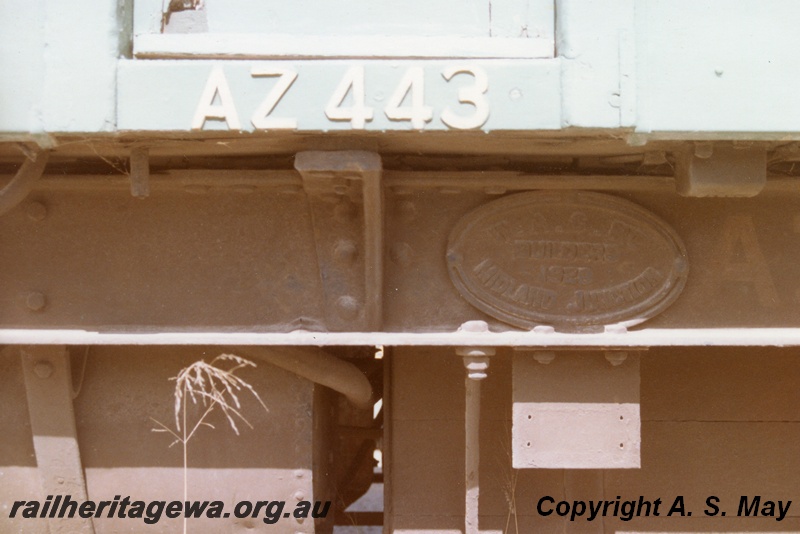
[212,386]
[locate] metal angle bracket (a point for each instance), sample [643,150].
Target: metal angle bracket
[719,170]
[576,411]
[346,200]
[48,386]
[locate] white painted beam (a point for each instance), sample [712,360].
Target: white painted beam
[679,337]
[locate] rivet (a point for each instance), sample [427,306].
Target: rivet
[401,253]
[299,496]
[60,480]
[348,307]
[616,358]
[614,100]
[298,473]
[703,149]
[340,189]
[544,357]
[35,301]
[345,252]
[43,369]
[515,94]
[718,71]
[36,211]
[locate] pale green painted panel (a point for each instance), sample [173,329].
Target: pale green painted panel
[267,29]
[81,54]
[718,65]
[21,65]
[350,17]
[164,95]
[598,75]
[522,18]
[58,63]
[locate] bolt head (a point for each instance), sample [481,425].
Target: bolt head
[36,211]
[348,307]
[35,301]
[345,252]
[616,358]
[43,369]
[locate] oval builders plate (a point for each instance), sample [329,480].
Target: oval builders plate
[573,260]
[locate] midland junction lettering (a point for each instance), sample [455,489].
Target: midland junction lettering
[503,284]
[626,293]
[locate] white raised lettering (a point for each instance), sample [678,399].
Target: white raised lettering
[473,94]
[216,85]
[418,113]
[261,117]
[359,113]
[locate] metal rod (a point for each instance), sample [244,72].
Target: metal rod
[476,360]
[18,188]
[316,365]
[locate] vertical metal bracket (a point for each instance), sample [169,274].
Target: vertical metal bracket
[346,198]
[48,386]
[140,172]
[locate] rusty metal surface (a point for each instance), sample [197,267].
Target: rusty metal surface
[196,257]
[220,251]
[567,260]
[743,256]
[346,202]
